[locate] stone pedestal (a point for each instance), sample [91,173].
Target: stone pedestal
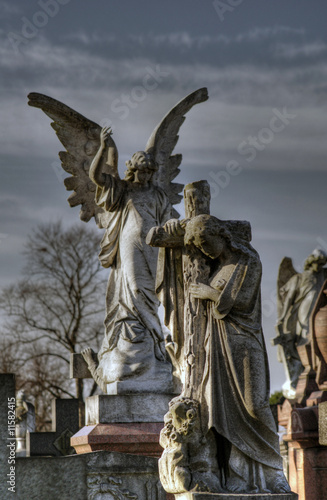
[238,496]
[99,475]
[136,439]
[323,424]
[307,458]
[125,423]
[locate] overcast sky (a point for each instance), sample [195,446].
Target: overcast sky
[259,140]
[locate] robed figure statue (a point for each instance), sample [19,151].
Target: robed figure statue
[228,398]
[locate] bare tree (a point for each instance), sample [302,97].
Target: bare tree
[56,309]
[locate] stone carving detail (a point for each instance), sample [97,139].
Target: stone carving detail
[189,459]
[100,485]
[224,359]
[297,294]
[62,443]
[133,347]
[155,491]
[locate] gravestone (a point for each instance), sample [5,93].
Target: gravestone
[65,413]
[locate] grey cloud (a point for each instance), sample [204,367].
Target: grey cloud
[8,9]
[292,51]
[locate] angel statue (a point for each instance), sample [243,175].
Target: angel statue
[133,356]
[296,295]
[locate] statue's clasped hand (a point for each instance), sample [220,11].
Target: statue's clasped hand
[204,292]
[104,134]
[175,227]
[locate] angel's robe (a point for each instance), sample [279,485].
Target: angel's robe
[299,295]
[133,346]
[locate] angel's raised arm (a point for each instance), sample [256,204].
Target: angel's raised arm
[105,156]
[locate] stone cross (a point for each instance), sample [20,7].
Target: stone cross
[193,269]
[65,413]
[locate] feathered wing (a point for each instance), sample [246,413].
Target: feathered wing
[81,138]
[163,140]
[285,272]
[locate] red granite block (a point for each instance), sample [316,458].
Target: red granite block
[135,439]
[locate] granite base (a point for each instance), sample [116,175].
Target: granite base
[238,496]
[127,408]
[134,438]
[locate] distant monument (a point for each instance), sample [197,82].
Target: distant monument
[25,421]
[297,294]
[133,351]
[219,434]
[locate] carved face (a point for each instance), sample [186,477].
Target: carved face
[202,232]
[142,176]
[212,246]
[141,168]
[182,412]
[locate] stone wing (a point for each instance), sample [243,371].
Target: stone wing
[163,141]
[81,138]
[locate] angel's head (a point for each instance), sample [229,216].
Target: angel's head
[316,260]
[140,168]
[208,234]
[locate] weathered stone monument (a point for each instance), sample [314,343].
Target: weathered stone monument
[210,373]
[132,368]
[219,435]
[297,294]
[132,358]
[302,341]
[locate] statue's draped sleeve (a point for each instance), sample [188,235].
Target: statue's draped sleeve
[110,197]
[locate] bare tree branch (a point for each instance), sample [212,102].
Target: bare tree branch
[56,309]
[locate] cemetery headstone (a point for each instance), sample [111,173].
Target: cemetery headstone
[65,415]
